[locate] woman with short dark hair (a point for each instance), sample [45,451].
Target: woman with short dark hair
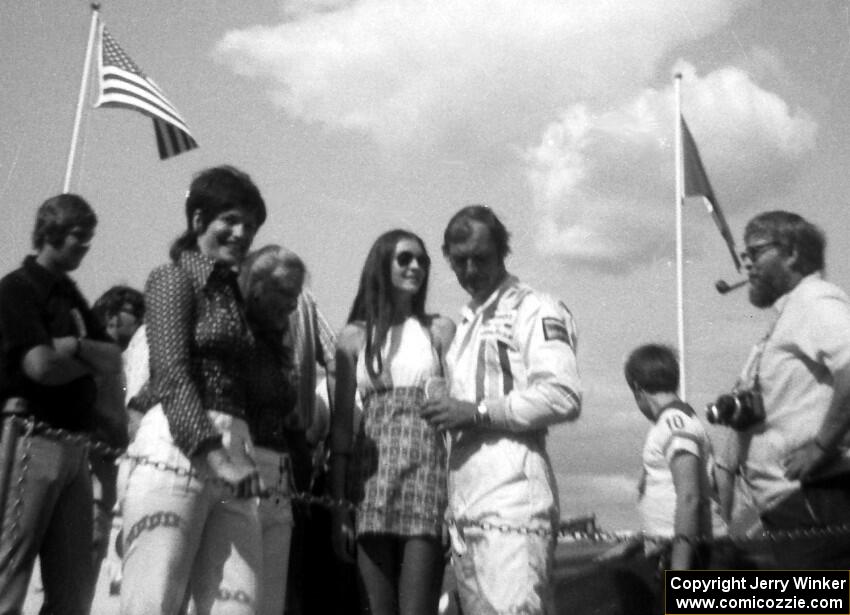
[190,510]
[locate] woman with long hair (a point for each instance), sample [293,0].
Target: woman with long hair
[395,469]
[191,527]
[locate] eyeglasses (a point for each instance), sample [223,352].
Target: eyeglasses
[752,253]
[403,259]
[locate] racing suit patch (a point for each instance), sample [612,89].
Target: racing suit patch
[555,329]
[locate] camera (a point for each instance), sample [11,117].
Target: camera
[739,410]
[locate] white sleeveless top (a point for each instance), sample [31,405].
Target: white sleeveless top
[408,359]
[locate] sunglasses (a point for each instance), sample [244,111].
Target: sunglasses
[403,259]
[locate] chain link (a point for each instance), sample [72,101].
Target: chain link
[17,509]
[291,493]
[33,427]
[63,435]
[773,536]
[502,528]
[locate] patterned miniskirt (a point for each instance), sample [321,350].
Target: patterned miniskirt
[398,473]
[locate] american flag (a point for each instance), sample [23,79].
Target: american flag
[124,84]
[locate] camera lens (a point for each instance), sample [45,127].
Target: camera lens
[712,414]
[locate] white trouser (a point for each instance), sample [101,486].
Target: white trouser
[276,521]
[184,533]
[503,572]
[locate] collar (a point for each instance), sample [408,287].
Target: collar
[470,310]
[43,277]
[204,269]
[677,404]
[780,303]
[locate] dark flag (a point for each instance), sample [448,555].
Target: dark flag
[697,184]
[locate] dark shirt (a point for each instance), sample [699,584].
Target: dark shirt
[200,346]
[271,392]
[37,306]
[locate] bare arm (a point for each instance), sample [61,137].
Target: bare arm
[725,468]
[350,341]
[725,491]
[442,332]
[686,479]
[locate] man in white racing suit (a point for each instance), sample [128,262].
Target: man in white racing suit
[512,368]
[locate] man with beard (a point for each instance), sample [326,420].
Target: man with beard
[51,350]
[794,464]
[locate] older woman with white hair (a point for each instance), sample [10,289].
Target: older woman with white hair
[271,280]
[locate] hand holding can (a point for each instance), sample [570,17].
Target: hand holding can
[436,388]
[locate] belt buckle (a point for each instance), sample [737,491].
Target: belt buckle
[15,406]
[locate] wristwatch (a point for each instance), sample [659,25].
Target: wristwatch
[482,417]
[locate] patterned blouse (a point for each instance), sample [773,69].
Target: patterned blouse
[200,346]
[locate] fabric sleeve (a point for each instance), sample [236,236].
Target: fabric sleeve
[545,333]
[169,319]
[826,337]
[680,435]
[826,341]
[20,320]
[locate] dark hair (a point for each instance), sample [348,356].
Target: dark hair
[459,228]
[375,302]
[57,216]
[113,301]
[213,191]
[654,368]
[792,232]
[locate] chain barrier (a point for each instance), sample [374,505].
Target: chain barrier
[17,508]
[765,536]
[271,492]
[33,427]
[41,428]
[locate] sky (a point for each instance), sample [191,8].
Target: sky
[358,116]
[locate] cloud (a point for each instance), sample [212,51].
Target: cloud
[603,179]
[299,9]
[463,77]
[480,81]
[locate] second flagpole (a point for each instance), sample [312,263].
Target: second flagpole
[81,99]
[680,189]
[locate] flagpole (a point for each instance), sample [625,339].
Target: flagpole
[680,301]
[81,99]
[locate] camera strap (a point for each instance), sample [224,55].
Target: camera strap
[751,374]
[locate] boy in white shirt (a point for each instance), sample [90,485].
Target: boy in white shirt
[677,496]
